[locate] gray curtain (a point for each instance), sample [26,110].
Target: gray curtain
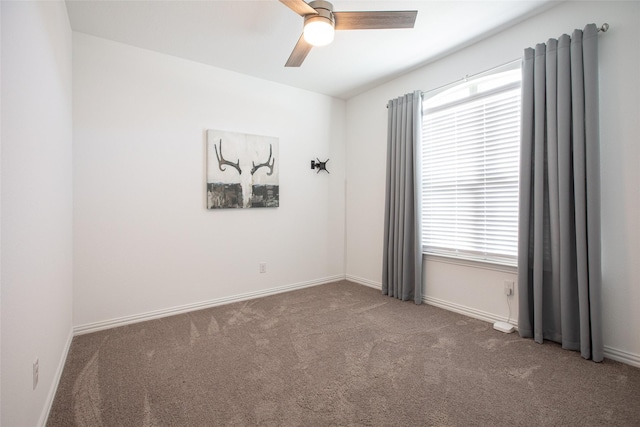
[402,258]
[559,270]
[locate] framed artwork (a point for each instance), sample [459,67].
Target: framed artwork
[242,170]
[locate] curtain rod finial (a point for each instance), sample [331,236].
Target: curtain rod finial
[604,28]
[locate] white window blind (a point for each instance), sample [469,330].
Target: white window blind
[470,161]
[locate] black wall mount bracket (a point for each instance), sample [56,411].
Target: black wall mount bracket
[321,166]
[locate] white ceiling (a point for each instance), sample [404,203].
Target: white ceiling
[256,37]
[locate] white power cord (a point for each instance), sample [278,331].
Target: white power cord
[505,327]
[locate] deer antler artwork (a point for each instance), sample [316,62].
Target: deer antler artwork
[265,164]
[222,161]
[254,158]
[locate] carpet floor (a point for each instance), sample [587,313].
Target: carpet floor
[339,354]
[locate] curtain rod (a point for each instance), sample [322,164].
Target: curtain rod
[469,76]
[602,29]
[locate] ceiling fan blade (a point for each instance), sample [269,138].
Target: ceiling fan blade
[299,53]
[299,6]
[375,20]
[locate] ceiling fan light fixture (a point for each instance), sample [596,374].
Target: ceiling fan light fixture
[319,29]
[320,24]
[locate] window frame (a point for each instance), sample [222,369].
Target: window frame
[456,255]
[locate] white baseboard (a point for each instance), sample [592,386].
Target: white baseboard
[56,381]
[622,356]
[363,281]
[468,311]
[171,311]
[609,352]
[461,309]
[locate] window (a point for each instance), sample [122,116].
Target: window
[470,162]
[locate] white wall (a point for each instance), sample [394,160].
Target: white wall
[0,214]
[36,219]
[480,291]
[143,240]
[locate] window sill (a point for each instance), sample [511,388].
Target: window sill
[470,262]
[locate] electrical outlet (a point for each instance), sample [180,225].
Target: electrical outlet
[508,287]
[263,267]
[36,372]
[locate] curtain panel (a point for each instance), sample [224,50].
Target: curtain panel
[402,251]
[559,267]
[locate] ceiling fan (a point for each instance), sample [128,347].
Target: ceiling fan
[320,21]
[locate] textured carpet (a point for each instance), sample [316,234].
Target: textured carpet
[335,354]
